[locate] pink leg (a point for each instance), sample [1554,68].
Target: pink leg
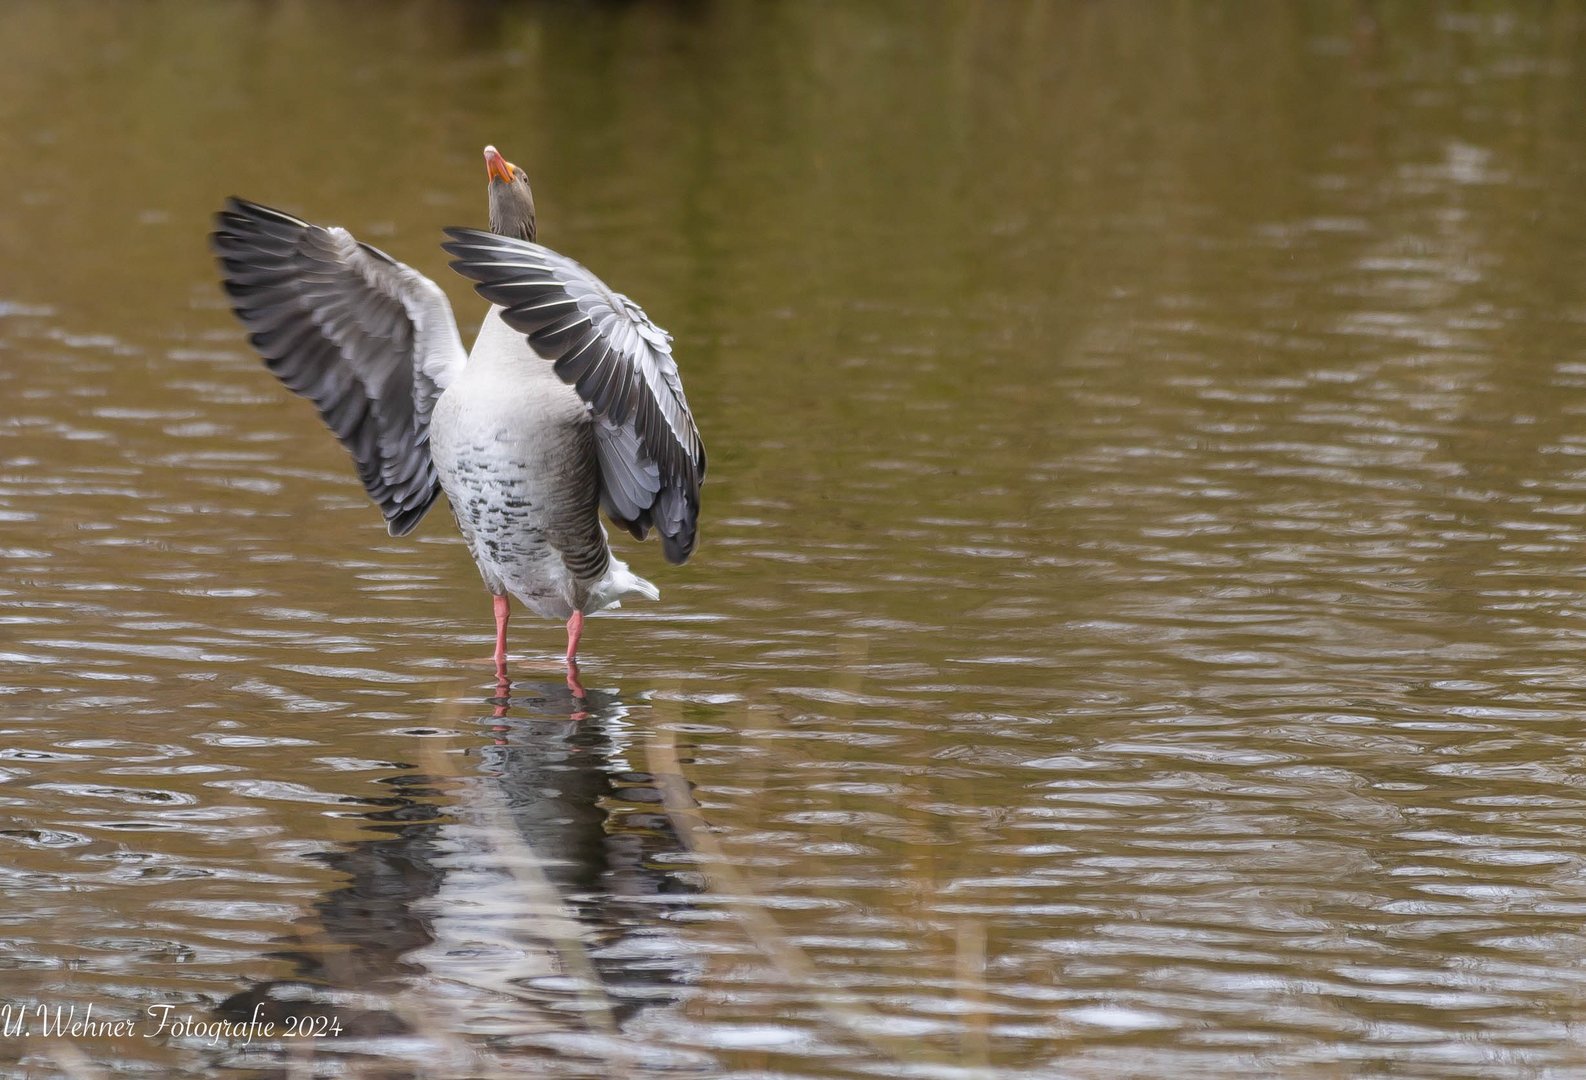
[575,630]
[502,613]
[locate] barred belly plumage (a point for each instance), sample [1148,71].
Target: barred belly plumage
[514,449]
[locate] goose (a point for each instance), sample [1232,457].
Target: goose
[569,403]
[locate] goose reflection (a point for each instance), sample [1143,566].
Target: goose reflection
[528,898]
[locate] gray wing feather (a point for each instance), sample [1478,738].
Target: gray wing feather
[652,461]
[369,341]
[631,491]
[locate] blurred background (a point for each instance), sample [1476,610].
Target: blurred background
[1139,624]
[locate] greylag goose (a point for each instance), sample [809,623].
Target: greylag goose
[569,403]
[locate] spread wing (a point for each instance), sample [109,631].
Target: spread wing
[369,341]
[651,458]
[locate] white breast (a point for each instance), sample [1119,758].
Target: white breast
[514,449]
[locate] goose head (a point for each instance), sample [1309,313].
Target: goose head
[511,201]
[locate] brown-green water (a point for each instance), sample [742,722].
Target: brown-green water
[1141,622]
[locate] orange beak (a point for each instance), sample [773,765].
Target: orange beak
[497,166]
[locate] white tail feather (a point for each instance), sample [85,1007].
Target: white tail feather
[619,582]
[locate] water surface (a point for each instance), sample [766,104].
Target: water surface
[1139,623]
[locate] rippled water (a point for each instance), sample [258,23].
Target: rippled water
[1140,623]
